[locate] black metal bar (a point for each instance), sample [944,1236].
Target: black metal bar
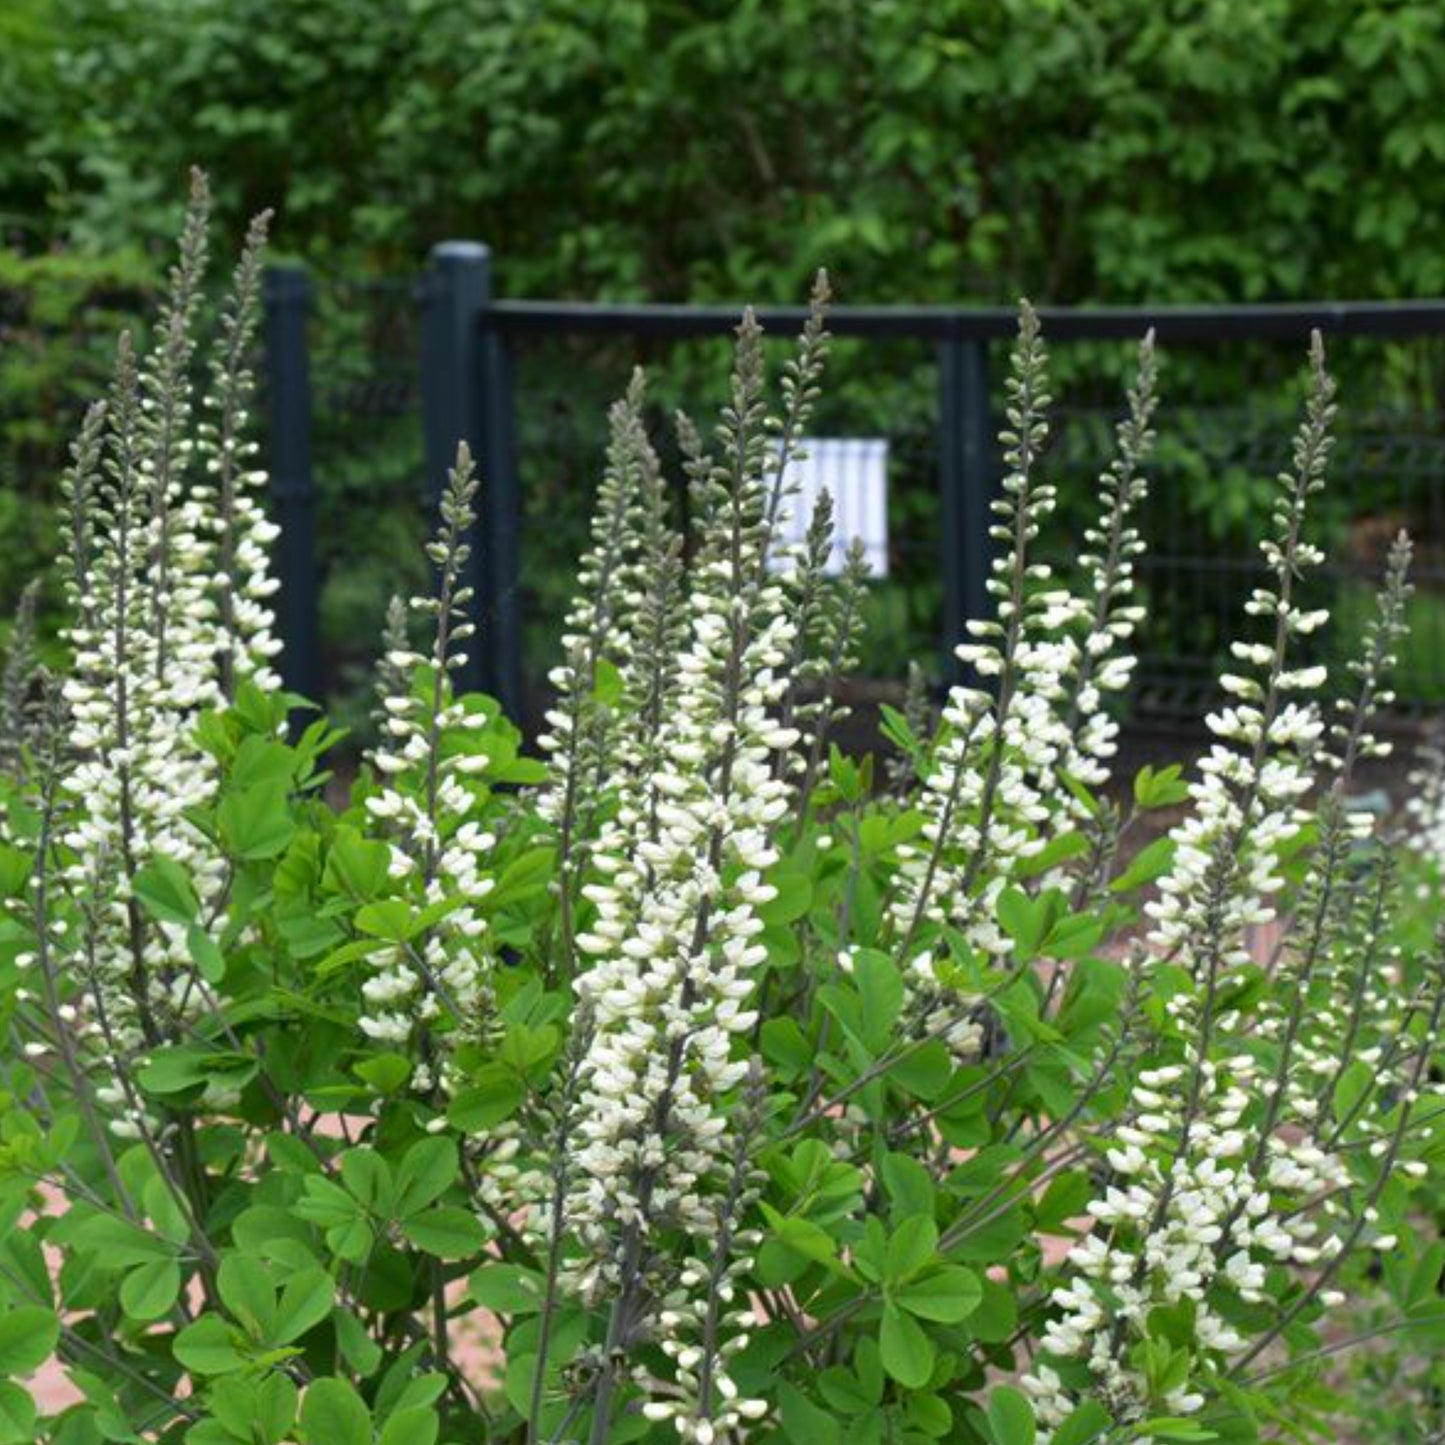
[1286,321]
[454,295]
[467,397]
[968,478]
[286,294]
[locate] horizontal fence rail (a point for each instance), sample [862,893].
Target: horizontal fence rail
[468,346]
[1386,319]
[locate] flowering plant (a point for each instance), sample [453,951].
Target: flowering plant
[693,1081]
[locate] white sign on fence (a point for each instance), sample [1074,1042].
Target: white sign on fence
[854,470]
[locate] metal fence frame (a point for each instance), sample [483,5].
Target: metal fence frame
[466,387]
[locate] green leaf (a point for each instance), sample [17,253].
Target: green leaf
[947,1296]
[367,1175]
[802,1236]
[415,1426]
[359,1350]
[275,1414]
[1160,789]
[1173,1427]
[120,1243]
[844,1391]
[246,1291]
[924,1071]
[794,897]
[843,774]
[522,878]
[208,1347]
[1085,1425]
[387,918]
[325,1203]
[895,726]
[508,1289]
[606,681]
[355,865]
[205,953]
[1066,1199]
[785,1045]
[176,1069]
[1011,1417]
[332,1413]
[910,1247]
[150,1290]
[250,1411]
[165,892]
[880,986]
[1355,1082]
[173,1070]
[909,1185]
[351,1242]
[386,1073]
[1074,935]
[256,822]
[426,1173]
[1028,920]
[306,1300]
[495,1094]
[1152,861]
[803,1422]
[28,1336]
[930,1415]
[15,869]
[447,1232]
[17,1415]
[908,1354]
[347,954]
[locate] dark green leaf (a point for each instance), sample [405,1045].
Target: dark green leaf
[166,893]
[28,1337]
[908,1354]
[947,1296]
[150,1290]
[17,1415]
[208,1347]
[447,1232]
[1011,1417]
[256,822]
[332,1413]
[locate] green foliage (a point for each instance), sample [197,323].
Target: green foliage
[1219,151]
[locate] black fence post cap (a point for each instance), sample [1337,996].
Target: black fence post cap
[469,252]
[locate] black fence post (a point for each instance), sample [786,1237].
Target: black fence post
[968,480]
[466,396]
[287,293]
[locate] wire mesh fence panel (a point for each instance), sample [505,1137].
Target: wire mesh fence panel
[1225,429]
[373,496]
[1224,433]
[876,391]
[1229,405]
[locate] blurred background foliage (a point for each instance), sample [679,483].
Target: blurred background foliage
[926,150]
[685,149]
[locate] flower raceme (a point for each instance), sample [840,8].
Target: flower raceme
[731,1098]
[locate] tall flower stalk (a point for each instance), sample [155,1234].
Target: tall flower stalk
[431,988]
[673,948]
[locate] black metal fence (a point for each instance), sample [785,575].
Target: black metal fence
[424,363]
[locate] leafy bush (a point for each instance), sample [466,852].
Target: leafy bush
[690,1083]
[695,150]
